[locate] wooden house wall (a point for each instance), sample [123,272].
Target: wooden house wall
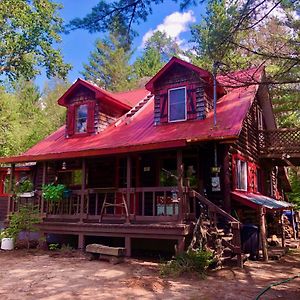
[198,101]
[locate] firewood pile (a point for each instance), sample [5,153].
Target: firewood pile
[287,228]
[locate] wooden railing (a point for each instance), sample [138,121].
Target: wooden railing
[279,141]
[144,204]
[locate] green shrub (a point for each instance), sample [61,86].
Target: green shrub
[187,262]
[52,192]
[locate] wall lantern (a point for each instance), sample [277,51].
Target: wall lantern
[64,165]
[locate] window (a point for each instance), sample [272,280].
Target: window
[260,119]
[81,118]
[241,172]
[177,104]
[71,178]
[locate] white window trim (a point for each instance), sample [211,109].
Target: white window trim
[239,166]
[260,119]
[185,101]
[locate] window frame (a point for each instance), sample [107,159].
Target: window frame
[260,119]
[185,104]
[76,118]
[239,171]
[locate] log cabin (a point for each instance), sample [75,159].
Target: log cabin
[141,166]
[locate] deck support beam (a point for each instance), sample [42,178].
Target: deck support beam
[128,246]
[263,235]
[81,241]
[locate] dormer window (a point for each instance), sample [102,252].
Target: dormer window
[81,118]
[177,104]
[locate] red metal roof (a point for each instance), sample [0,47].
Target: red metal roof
[141,134]
[131,97]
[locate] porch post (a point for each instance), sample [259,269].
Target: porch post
[11,188]
[83,180]
[262,218]
[180,174]
[226,192]
[282,230]
[128,182]
[43,182]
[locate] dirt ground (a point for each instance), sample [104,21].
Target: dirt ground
[42,275]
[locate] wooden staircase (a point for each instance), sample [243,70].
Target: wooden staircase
[217,230]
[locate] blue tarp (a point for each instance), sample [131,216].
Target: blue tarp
[261,200]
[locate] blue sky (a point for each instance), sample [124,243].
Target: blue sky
[77,45]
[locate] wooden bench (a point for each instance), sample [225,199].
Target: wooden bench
[114,255]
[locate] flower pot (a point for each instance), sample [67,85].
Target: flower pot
[7,244]
[26,195]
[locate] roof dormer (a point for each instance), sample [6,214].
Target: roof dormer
[90,109]
[182,92]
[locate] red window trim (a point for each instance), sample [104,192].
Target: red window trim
[71,118]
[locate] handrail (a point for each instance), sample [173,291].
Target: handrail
[216,208]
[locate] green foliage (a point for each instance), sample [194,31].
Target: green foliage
[29,31]
[24,186]
[23,220]
[52,192]
[53,247]
[108,65]
[159,49]
[294,196]
[187,262]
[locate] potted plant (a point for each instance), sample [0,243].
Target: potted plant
[25,189]
[8,237]
[24,220]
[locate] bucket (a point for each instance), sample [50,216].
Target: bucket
[7,244]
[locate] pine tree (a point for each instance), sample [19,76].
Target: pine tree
[108,65]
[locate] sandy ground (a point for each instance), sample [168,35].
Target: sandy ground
[40,276]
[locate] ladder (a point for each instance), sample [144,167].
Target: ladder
[107,204]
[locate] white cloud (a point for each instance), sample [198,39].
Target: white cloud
[173,25]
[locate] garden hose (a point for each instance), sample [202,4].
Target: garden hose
[276,283]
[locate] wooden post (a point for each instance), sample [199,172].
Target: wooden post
[293,224]
[180,245]
[43,182]
[262,215]
[83,183]
[282,230]
[180,174]
[11,189]
[81,241]
[128,182]
[226,180]
[128,245]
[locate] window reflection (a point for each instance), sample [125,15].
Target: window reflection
[81,118]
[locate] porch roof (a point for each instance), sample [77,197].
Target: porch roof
[257,200]
[139,133]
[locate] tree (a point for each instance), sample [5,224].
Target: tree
[157,51]
[29,30]
[128,11]
[9,125]
[108,65]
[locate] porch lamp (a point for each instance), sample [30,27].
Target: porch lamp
[64,165]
